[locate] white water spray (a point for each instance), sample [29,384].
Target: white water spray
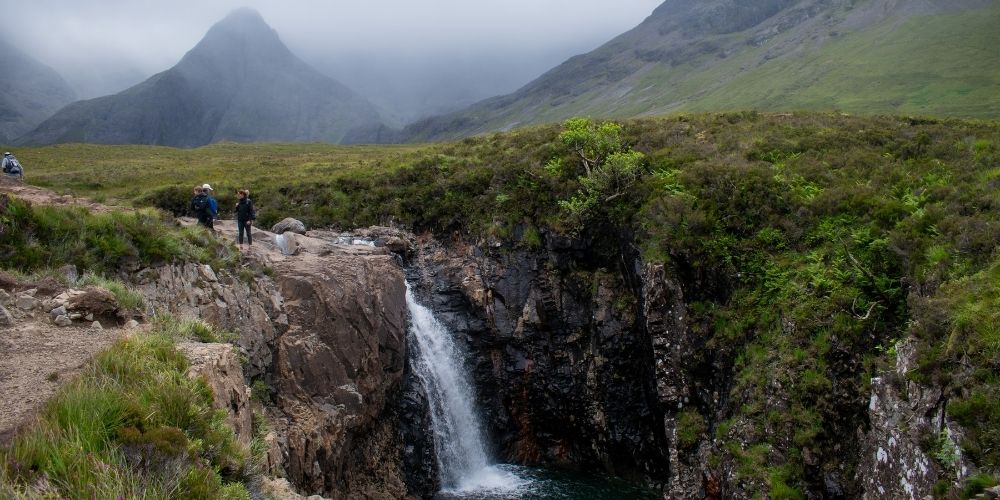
[464,462]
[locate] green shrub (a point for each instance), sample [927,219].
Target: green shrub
[40,237]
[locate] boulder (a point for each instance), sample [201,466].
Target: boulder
[63,320]
[93,300]
[70,272]
[57,311]
[5,318]
[26,302]
[132,324]
[290,225]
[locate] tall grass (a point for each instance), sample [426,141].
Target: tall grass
[40,237]
[133,425]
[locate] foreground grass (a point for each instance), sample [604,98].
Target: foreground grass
[133,425]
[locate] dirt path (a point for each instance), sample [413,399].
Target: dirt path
[36,357]
[42,196]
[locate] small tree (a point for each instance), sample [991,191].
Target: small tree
[611,168]
[593,143]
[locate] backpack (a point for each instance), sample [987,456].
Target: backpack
[200,206]
[11,166]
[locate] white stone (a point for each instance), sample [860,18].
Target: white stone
[96,325]
[132,324]
[89,317]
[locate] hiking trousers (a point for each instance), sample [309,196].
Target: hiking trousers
[244,227]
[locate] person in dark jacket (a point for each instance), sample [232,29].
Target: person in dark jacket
[200,207]
[245,215]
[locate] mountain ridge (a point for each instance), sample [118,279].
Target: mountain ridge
[694,55]
[239,83]
[30,92]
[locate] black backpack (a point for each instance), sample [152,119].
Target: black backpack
[200,206]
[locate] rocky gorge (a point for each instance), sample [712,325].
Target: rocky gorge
[579,363]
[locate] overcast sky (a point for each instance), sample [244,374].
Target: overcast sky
[492,46]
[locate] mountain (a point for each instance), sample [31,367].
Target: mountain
[240,83]
[935,57]
[30,92]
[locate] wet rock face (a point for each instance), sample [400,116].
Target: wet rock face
[337,371]
[562,361]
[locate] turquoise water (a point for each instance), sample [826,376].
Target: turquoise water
[532,483]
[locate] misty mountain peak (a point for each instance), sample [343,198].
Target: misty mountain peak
[240,39]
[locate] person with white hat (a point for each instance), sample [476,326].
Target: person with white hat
[213,205]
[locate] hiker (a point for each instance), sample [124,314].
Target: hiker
[245,215]
[213,206]
[200,207]
[12,167]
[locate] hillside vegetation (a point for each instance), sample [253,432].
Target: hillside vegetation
[867,57]
[808,245]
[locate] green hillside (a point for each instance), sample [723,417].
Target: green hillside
[944,65]
[868,57]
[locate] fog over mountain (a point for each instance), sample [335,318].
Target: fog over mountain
[412,59]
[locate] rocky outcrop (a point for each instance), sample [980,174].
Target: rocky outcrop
[336,369]
[253,309]
[908,425]
[219,364]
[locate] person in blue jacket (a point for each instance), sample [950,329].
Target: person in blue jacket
[213,205]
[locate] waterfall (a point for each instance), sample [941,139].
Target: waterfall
[463,457]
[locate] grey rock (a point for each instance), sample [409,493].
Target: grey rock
[289,224]
[207,273]
[5,318]
[63,321]
[131,324]
[89,317]
[26,302]
[4,296]
[96,325]
[70,272]
[58,311]
[75,316]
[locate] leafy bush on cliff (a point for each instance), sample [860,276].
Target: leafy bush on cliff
[133,425]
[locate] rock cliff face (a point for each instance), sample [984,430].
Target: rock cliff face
[561,357]
[327,335]
[336,371]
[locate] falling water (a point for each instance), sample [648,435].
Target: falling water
[463,458]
